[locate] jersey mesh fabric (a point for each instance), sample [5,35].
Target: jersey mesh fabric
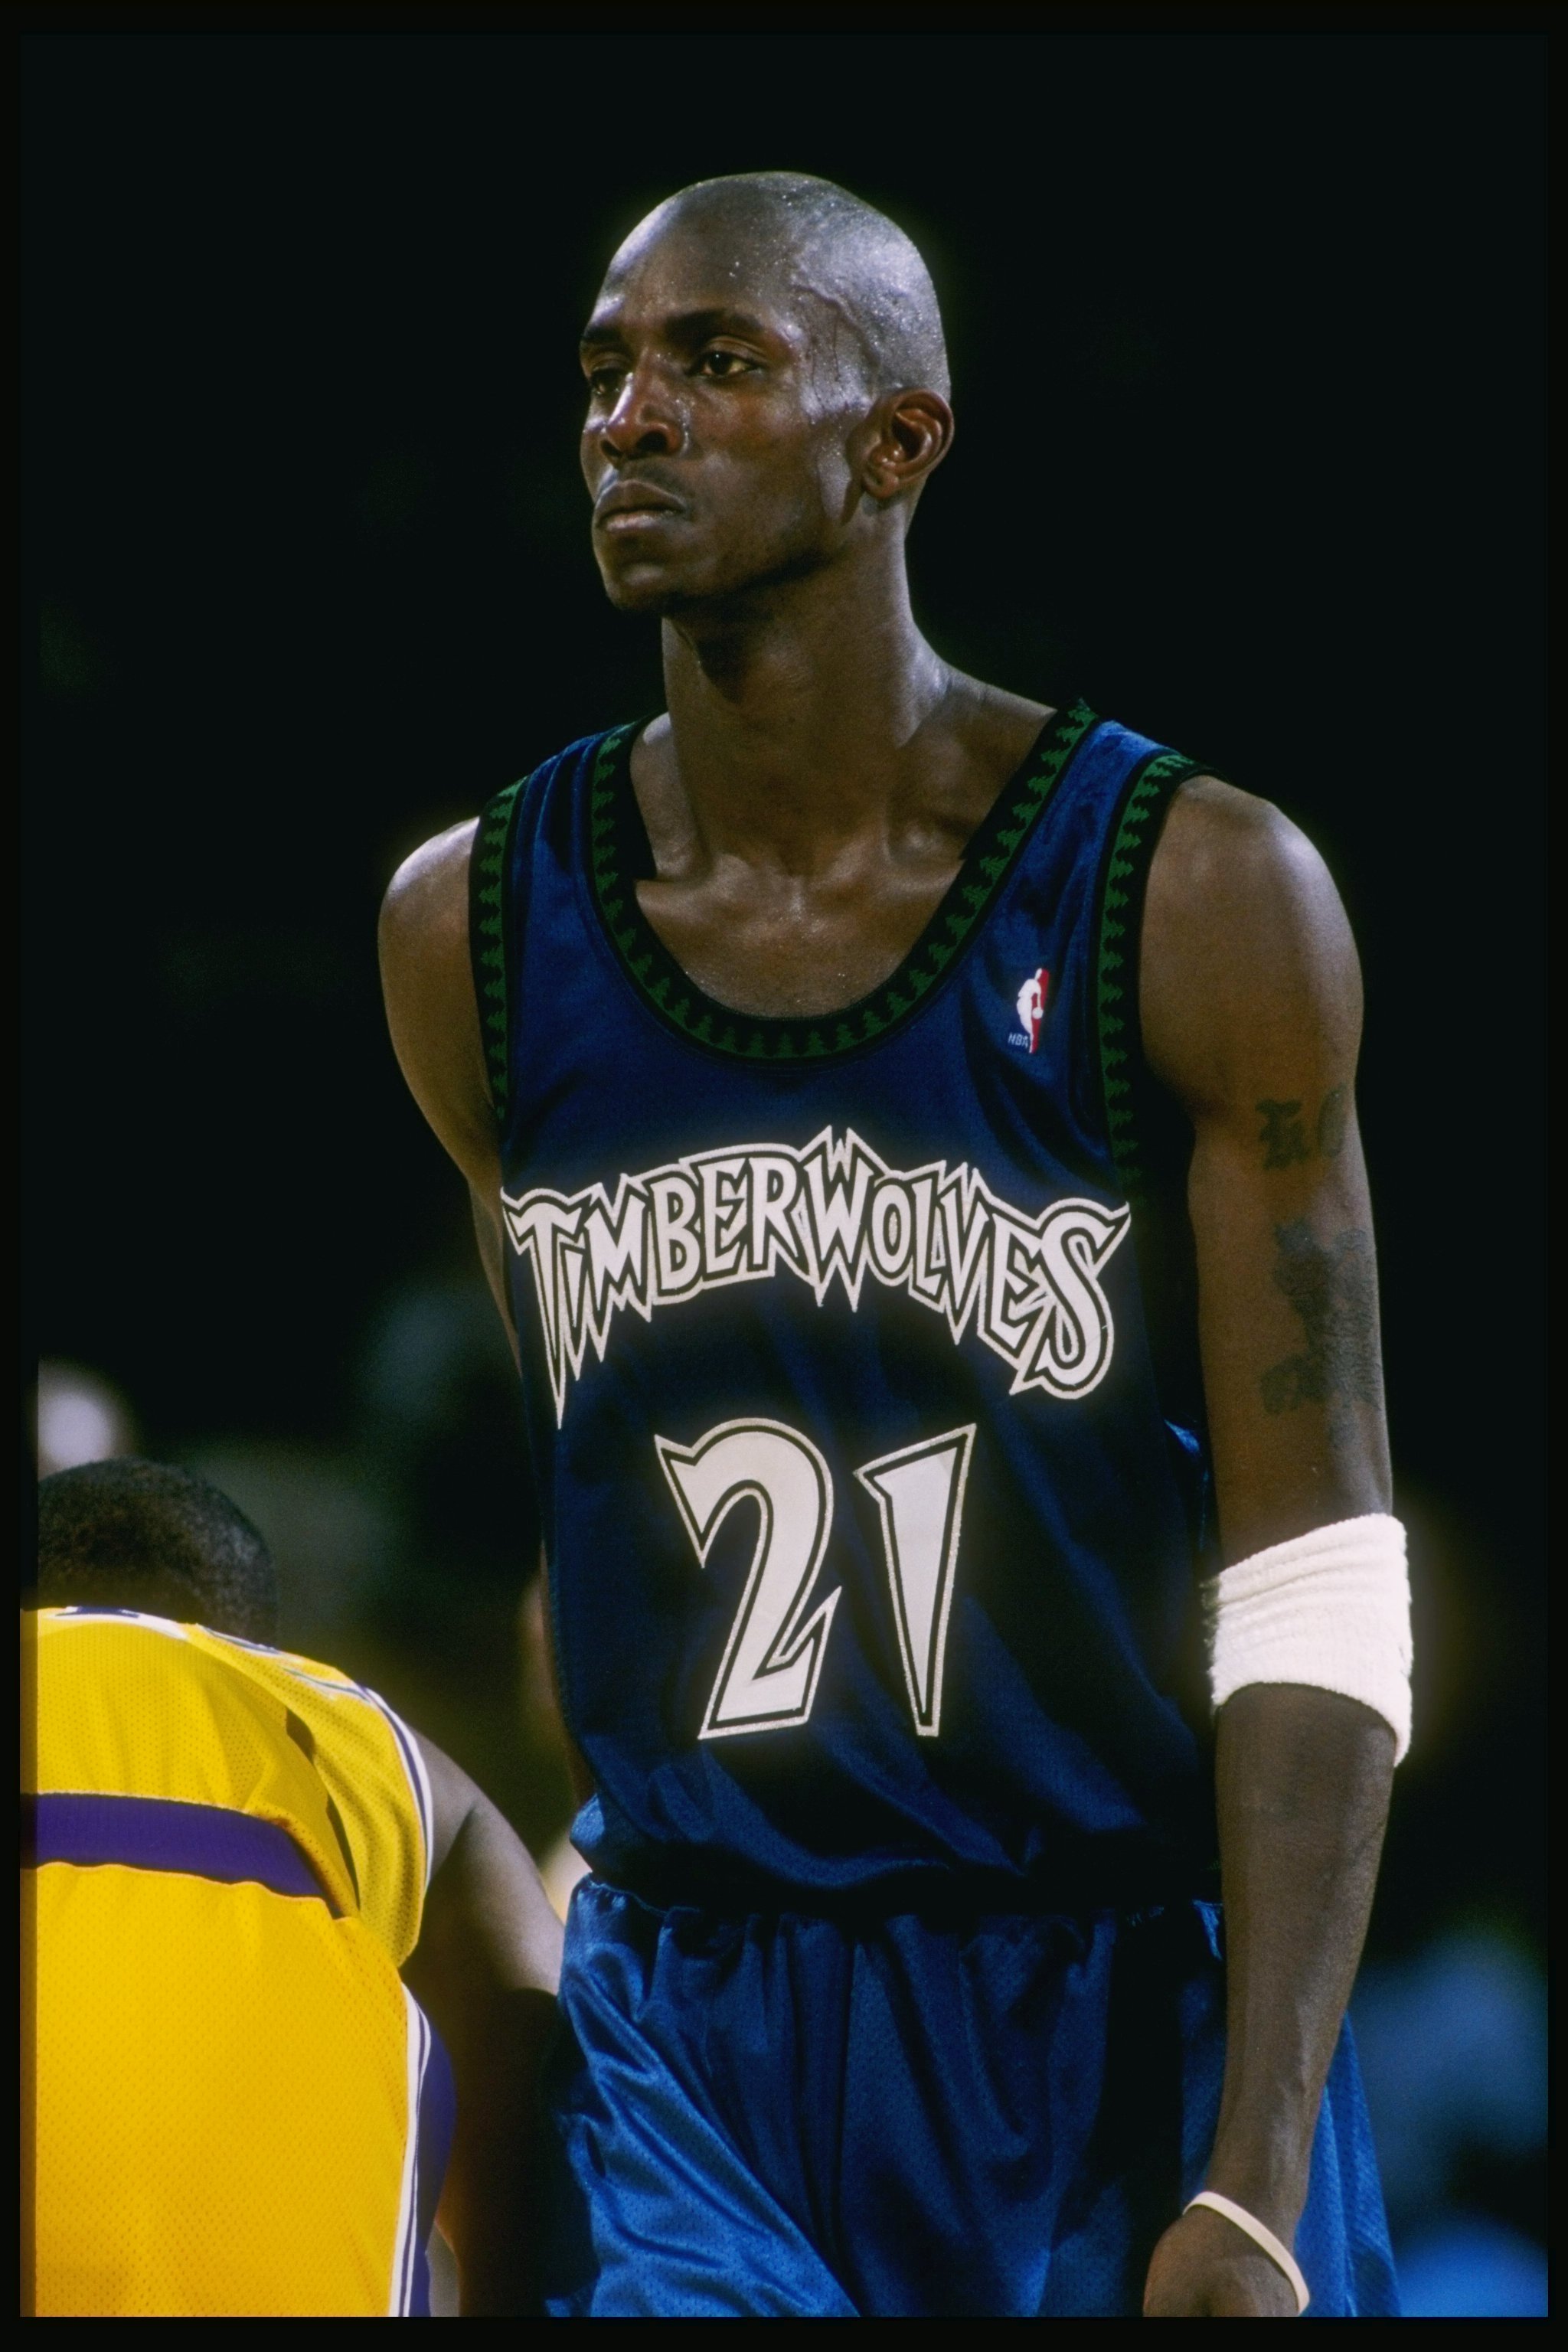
[133,1706]
[231,2080]
[715,1228]
[871,1284]
[786,2116]
[223,2107]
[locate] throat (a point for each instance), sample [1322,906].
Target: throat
[794,953]
[745,956]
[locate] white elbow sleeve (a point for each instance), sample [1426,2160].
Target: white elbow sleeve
[1331,1609]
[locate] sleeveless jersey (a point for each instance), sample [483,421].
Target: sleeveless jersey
[870,1525]
[140,1711]
[239,2110]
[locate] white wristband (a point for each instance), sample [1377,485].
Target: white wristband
[1331,1609]
[1281,2256]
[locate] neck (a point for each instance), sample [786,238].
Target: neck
[792,710]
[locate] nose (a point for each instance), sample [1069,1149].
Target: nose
[641,424]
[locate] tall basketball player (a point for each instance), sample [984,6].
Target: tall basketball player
[912,1139]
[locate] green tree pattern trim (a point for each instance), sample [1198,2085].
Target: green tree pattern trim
[488,942]
[682,1006]
[1120,928]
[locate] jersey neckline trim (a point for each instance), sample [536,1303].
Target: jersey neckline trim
[615,837]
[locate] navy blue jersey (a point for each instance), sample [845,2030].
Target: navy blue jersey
[871,1543]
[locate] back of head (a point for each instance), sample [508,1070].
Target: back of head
[139,1534]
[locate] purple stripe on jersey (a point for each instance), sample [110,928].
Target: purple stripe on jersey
[158,1834]
[438,2115]
[411,2244]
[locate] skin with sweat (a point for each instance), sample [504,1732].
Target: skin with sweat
[808,795]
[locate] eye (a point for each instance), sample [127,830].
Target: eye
[721,365]
[604,379]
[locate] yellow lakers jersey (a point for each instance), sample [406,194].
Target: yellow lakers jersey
[130,1706]
[238,2105]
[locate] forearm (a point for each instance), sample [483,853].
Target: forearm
[1303,1779]
[1250,1001]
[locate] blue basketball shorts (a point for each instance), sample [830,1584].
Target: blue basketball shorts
[779,2115]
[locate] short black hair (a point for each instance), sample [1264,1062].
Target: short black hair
[129,1534]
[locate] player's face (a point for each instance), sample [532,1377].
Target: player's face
[718,442]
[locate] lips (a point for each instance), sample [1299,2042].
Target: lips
[634,506]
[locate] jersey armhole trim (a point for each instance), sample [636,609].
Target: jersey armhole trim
[1118,931]
[418,1778]
[490,939]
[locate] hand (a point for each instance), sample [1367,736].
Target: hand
[1205,2268]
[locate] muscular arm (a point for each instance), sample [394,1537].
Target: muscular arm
[1251,1007]
[427,983]
[486,1969]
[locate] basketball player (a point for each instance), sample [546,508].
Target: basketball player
[911,1135]
[239,2111]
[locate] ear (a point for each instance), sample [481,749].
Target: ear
[908,434]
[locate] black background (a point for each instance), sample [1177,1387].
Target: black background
[1246,334]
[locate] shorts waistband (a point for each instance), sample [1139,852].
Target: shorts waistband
[937,1902]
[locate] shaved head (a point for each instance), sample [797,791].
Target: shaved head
[828,244]
[767,388]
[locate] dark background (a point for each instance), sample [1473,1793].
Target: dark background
[1246,334]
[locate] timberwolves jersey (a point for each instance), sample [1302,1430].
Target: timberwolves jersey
[870,1538]
[871,1521]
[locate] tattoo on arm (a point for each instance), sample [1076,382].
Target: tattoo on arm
[1285,1139]
[1332,1287]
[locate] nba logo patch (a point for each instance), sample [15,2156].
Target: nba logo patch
[1031,1005]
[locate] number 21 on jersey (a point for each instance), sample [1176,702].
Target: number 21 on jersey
[773,1659]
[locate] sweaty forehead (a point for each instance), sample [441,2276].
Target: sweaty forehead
[682,269]
[824,271]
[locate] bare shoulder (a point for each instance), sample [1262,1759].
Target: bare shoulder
[1221,845]
[1247,949]
[427,982]
[427,902]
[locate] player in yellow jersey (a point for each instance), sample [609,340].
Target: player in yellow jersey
[240,2108]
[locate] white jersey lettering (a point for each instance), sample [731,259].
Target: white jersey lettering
[1029,1286]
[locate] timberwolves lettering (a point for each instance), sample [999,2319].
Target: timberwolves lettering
[832,1212]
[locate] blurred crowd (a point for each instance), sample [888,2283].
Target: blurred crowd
[407,1557]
